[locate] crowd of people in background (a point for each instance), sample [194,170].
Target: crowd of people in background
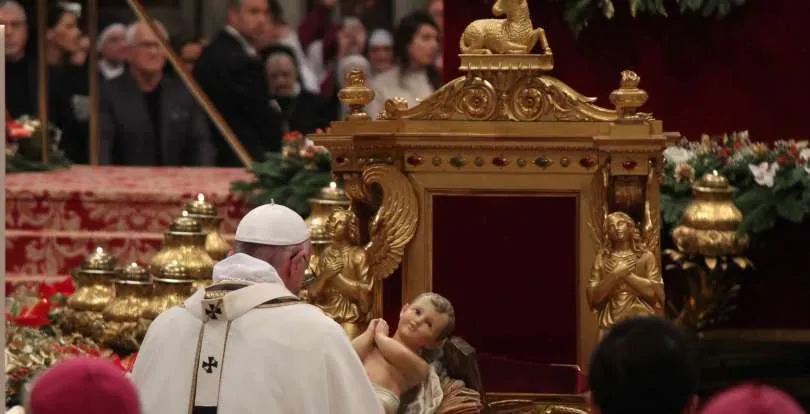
[262,74]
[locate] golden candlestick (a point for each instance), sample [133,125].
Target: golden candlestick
[206,213]
[184,243]
[329,199]
[94,280]
[124,328]
[708,255]
[709,223]
[171,286]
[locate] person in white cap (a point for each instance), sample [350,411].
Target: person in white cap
[112,50]
[247,344]
[381,51]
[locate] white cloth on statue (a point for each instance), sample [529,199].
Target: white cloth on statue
[430,395]
[283,359]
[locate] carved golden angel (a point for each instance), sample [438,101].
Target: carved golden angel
[626,275]
[349,274]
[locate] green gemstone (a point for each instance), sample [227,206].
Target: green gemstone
[479,162]
[458,162]
[542,162]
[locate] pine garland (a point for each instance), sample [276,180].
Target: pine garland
[772,184]
[289,178]
[579,13]
[24,147]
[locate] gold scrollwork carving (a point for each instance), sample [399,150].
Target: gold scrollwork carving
[493,95]
[348,285]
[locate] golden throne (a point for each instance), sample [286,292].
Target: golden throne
[495,191]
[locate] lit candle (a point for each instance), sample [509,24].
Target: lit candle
[99,250]
[714,172]
[200,197]
[333,185]
[185,213]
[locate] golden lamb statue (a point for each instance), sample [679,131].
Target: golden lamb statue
[512,35]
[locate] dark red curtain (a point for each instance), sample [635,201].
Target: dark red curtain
[750,70]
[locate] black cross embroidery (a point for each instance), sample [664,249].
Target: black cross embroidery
[208,366]
[213,310]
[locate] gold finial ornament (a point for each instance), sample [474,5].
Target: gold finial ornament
[628,98]
[514,34]
[172,286]
[124,329]
[710,222]
[206,214]
[94,280]
[184,243]
[356,95]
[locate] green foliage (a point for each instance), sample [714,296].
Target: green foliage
[579,13]
[25,154]
[763,204]
[289,178]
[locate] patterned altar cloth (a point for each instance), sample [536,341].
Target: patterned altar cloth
[55,219]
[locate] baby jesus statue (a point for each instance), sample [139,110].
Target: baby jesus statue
[396,364]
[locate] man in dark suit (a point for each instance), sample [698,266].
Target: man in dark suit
[147,118]
[232,75]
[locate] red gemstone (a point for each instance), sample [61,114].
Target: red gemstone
[415,160]
[629,164]
[500,162]
[587,162]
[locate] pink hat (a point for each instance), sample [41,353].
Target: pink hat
[752,399]
[83,385]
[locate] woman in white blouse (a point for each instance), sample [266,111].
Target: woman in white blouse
[415,75]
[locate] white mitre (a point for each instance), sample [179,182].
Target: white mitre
[272,225]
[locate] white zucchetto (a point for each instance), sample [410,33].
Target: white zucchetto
[272,225]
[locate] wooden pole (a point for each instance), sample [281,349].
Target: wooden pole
[3,196]
[92,32]
[196,91]
[42,75]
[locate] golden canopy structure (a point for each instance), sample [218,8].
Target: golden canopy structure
[513,195]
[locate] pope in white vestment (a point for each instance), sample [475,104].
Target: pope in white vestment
[247,345]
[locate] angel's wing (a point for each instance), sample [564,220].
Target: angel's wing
[651,229]
[394,225]
[599,204]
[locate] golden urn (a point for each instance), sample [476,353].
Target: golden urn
[356,95]
[94,281]
[328,200]
[124,328]
[628,98]
[171,286]
[206,214]
[184,243]
[709,223]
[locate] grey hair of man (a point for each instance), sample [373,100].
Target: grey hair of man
[132,31]
[289,261]
[13,4]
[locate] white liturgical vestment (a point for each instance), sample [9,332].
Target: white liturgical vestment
[249,348]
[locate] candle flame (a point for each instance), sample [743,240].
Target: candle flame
[99,250]
[185,213]
[200,197]
[333,185]
[714,172]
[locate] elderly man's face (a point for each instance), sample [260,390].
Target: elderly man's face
[145,54]
[282,75]
[12,17]
[66,35]
[114,49]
